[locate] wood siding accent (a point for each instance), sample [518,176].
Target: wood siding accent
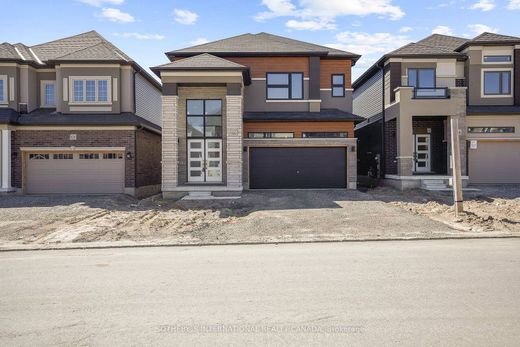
[329,67]
[298,127]
[259,66]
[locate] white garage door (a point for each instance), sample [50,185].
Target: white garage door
[74,172]
[495,162]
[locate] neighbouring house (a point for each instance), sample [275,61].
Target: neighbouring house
[409,96]
[77,115]
[257,111]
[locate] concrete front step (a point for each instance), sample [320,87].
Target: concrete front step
[202,195]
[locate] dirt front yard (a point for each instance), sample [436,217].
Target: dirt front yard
[260,216]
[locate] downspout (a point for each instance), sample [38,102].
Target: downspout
[382,156]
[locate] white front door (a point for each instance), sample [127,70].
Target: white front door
[422,153]
[195,160]
[213,160]
[205,160]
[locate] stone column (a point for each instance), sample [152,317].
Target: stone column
[404,133]
[6,160]
[170,144]
[458,95]
[352,167]
[234,141]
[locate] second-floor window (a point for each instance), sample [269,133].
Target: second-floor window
[91,90]
[3,89]
[497,59]
[421,78]
[284,86]
[338,85]
[48,94]
[497,82]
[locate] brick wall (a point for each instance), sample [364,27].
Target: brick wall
[61,138]
[148,158]
[391,147]
[438,145]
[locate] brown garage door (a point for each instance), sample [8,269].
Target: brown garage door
[68,172]
[495,162]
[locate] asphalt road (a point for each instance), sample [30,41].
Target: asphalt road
[451,292]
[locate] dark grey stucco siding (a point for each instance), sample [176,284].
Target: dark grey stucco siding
[344,103]
[255,99]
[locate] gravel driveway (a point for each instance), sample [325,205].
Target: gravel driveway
[260,216]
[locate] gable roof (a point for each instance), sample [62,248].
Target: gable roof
[85,47]
[203,61]
[261,44]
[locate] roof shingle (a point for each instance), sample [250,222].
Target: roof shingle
[261,43]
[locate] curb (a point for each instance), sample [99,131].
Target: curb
[85,246]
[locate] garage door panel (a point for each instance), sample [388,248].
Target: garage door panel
[297,168]
[91,176]
[494,162]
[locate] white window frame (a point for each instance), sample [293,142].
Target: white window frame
[497,62]
[43,83]
[498,69]
[4,100]
[84,80]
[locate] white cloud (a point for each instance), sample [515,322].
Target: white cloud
[514,5]
[405,29]
[366,43]
[370,45]
[480,28]
[138,36]
[312,13]
[184,16]
[484,5]
[443,30]
[99,3]
[312,25]
[199,41]
[116,15]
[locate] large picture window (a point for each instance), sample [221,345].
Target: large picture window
[497,82]
[421,78]
[204,118]
[284,86]
[91,90]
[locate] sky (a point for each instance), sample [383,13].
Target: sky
[146,29]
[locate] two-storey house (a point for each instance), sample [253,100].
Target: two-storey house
[257,111]
[77,115]
[409,96]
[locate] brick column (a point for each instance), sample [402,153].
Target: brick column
[170,144]
[234,141]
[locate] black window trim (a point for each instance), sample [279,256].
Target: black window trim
[500,82]
[203,115]
[417,77]
[283,86]
[342,86]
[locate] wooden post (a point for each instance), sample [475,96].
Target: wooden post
[455,155]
